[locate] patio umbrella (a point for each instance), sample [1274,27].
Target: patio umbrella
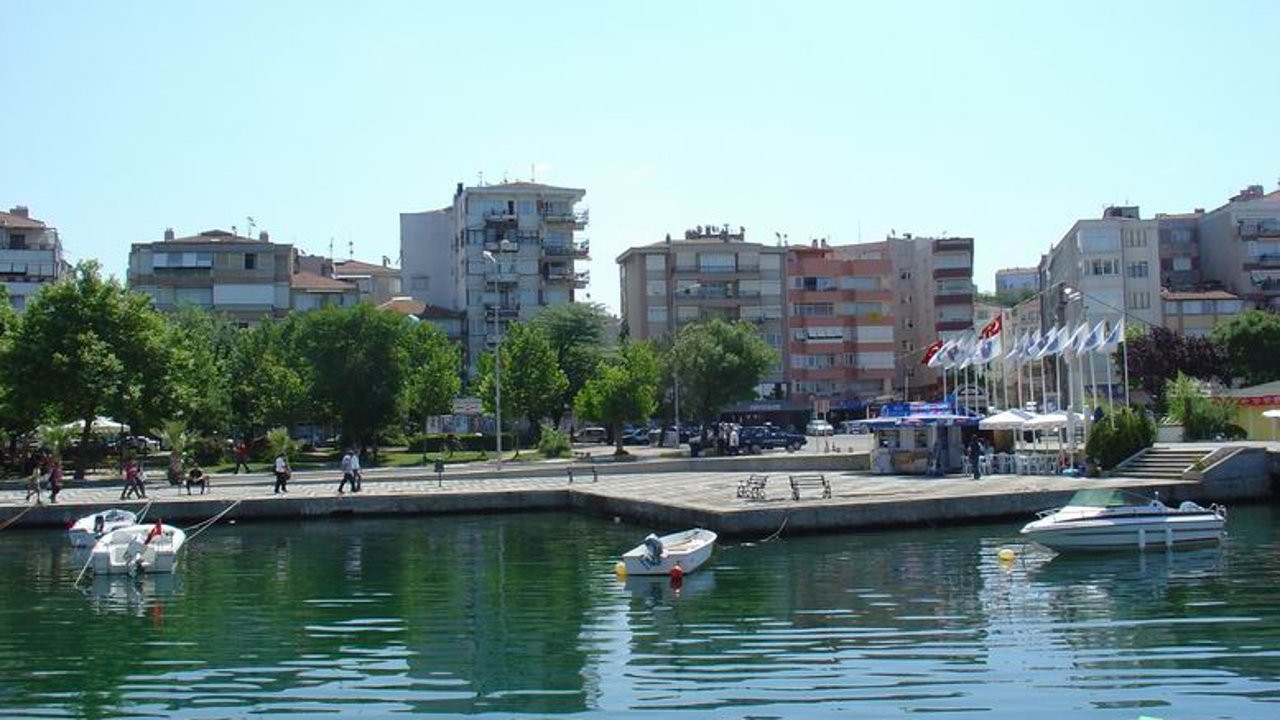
[1008,420]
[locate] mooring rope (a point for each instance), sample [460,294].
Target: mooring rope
[206,524]
[17,517]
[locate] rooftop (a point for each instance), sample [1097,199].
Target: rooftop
[18,219]
[356,267]
[311,282]
[409,306]
[1197,295]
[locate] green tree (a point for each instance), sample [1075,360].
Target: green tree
[625,389]
[578,334]
[86,347]
[206,344]
[1118,437]
[1252,344]
[174,434]
[435,367]
[1201,417]
[719,363]
[281,443]
[266,385]
[1157,354]
[359,366]
[10,419]
[533,384]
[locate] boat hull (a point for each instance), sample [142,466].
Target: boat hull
[686,550]
[127,551]
[1155,531]
[82,533]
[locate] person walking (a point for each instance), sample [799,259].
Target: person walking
[350,465]
[242,457]
[282,474]
[55,478]
[34,480]
[129,474]
[975,456]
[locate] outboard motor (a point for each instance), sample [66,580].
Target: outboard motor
[654,546]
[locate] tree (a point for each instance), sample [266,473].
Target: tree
[1251,342]
[85,347]
[719,363]
[577,334]
[625,389]
[206,344]
[1201,417]
[358,365]
[533,384]
[9,417]
[1158,354]
[174,434]
[435,366]
[1117,438]
[267,386]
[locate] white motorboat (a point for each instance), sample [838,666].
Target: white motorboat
[86,531]
[1108,519]
[686,550]
[146,548]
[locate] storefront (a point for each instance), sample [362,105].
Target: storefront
[918,439]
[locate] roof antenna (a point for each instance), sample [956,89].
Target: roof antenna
[533,172]
[480,178]
[351,250]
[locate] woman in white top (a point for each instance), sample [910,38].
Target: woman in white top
[282,474]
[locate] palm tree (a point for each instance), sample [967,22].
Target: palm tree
[280,442]
[174,434]
[56,438]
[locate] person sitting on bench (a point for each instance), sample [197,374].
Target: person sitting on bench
[197,477]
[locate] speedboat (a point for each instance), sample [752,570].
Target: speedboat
[686,550]
[1108,519]
[146,548]
[86,531]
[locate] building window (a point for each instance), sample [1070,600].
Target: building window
[250,261]
[656,287]
[1141,301]
[17,241]
[1181,264]
[1138,269]
[1104,266]
[657,315]
[655,263]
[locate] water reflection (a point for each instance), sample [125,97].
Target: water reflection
[140,595]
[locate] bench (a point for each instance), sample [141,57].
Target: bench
[582,455]
[752,487]
[595,474]
[799,482]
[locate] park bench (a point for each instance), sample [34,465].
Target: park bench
[583,470]
[752,487]
[800,482]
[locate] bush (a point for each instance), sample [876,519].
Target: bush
[1200,416]
[208,449]
[553,443]
[472,442]
[1120,436]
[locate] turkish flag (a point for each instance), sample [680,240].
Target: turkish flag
[992,328]
[930,351]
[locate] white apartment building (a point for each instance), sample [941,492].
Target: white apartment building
[1240,247]
[933,284]
[1017,278]
[498,253]
[30,256]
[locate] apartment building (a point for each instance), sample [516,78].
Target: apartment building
[498,253]
[1180,250]
[30,256]
[1015,279]
[244,278]
[1240,247]
[376,284]
[1198,312]
[841,324]
[710,272]
[1105,268]
[934,293]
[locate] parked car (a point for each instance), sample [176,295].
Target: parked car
[818,426]
[136,443]
[854,427]
[758,438]
[592,435]
[635,436]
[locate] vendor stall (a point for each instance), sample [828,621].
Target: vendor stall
[918,439]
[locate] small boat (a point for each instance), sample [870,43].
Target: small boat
[1108,519]
[86,531]
[146,548]
[686,550]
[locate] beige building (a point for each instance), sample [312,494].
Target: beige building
[30,256]
[933,285]
[244,278]
[1197,313]
[377,283]
[1240,247]
[710,272]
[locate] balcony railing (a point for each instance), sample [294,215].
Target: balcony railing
[579,219]
[576,250]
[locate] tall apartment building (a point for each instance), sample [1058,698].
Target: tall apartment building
[710,272]
[30,256]
[1240,247]
[1180,250]
[933,288]
[498,253]
[1017,278]
[841,323]
[243,278]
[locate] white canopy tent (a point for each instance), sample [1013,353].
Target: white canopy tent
[1054,421]
[1013,419]
[101,426]
[1274,415]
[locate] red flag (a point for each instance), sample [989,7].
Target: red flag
[930,351]
[992,328]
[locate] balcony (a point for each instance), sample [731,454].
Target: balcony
[502,310]
[578,251]
[949,325]
[503,246]
[499,218]
[579,220]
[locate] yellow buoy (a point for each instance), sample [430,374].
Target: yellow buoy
[1006,555]
[620,570]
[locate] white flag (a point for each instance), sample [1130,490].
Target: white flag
[1093,341]
[1114,338]
[1052,344]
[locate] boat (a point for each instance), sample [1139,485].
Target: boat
[686,550]
[146,548]
[1109,519]
[86,531]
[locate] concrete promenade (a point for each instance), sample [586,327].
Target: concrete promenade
[662,494]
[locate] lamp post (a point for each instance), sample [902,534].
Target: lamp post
[497,357]
[675,357]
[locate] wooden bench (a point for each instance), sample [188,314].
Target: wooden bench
[584,469]
[752,487]
[799,482]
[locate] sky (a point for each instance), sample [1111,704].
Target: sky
[1003,121]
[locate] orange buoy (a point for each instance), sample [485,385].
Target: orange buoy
[677,577]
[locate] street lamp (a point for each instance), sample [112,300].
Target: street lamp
[675,365]
[497,358]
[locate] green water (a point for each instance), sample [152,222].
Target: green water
[515,614]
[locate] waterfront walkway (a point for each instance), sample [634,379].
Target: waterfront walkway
[684,496]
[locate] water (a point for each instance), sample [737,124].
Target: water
[515,614]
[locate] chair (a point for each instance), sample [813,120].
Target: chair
[799,482]
[752,487]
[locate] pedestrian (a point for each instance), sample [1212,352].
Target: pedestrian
[129,474]
[975,456]
[349,465]
[733,440]
[283,473]
[242,457]
[33,484]
[55,478]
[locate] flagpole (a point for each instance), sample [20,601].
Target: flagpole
[1125,340]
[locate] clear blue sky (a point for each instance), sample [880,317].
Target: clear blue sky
[1004,121]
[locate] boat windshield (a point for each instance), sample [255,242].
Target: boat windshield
[1100,497]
